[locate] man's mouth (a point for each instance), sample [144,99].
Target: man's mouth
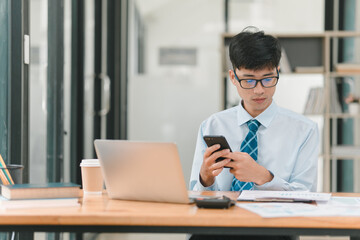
[259,100]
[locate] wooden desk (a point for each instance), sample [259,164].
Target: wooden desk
[100,214]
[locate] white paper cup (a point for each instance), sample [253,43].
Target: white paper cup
[92,180]
[353,108]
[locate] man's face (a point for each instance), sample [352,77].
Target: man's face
[257,99]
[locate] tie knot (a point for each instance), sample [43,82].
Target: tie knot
[253,125]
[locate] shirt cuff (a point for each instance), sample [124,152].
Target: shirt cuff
[199,187]
[276,184]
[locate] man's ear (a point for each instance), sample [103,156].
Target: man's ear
[232,77]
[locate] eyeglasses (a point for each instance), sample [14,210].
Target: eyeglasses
[267,82]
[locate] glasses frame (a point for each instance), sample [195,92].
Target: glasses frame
[257,80]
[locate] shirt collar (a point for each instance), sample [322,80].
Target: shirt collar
[264,118]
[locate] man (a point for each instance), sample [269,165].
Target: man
[272,148]
[287,143]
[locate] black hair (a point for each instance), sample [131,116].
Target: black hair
[253,49]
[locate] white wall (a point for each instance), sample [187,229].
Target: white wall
[168,103]
[288,16]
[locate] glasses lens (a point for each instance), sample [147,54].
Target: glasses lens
[251,83]
[269,82]
[248,83]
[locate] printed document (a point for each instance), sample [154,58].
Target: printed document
[336,206]
[282,196]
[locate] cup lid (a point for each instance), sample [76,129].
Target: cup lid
[90,163]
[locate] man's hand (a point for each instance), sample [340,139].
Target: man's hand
[246,169]
[209,168]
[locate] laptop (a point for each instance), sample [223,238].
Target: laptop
[144,171]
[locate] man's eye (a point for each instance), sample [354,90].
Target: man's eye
[250,81]
[267,80]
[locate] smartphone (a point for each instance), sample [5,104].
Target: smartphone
[217,139]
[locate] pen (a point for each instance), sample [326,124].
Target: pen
[3,178]
[6,172]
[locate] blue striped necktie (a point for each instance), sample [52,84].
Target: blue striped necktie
[250,146]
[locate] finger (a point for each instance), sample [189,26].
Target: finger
[218,154]
[217,172]
[230,164]
[237,156]
[211,149]
[221,164]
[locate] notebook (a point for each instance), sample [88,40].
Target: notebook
[144,171]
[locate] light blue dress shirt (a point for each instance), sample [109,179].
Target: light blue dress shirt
[288,146]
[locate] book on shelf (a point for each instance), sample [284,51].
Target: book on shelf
[285,66]
[347,67]
[315,103]
[46,190]
[228,64]
[38,203]
[345,150]
[335,106]
[310,101]
[320,101]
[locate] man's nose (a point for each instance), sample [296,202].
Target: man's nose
[259,89]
